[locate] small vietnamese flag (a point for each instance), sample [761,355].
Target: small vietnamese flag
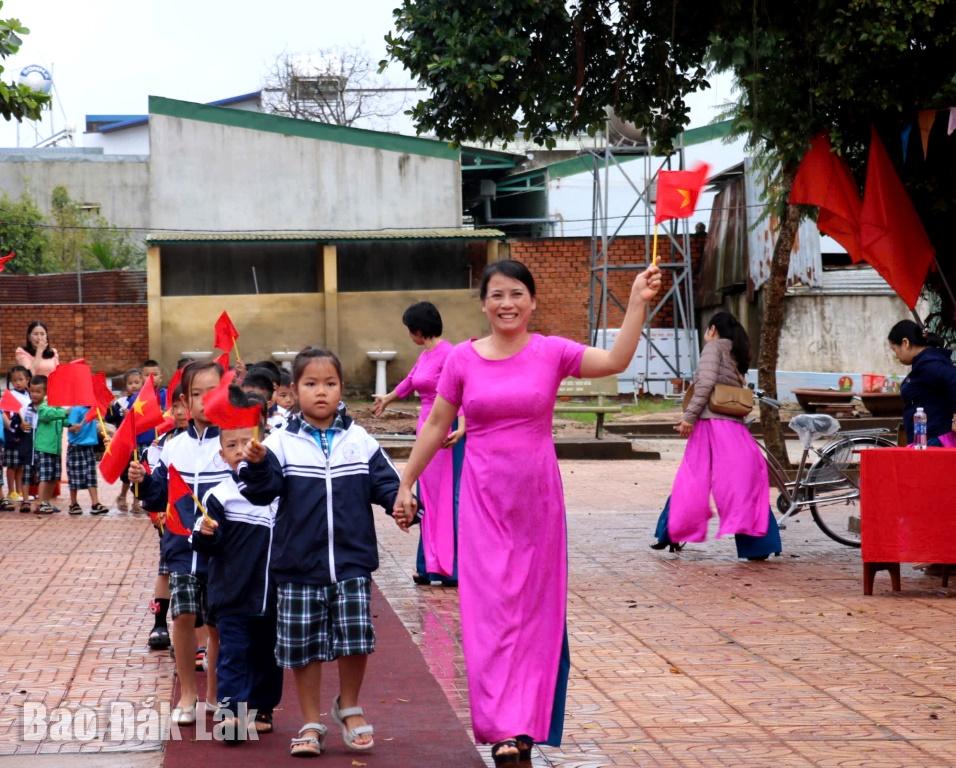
[118,451]
[146,408]
[226,333]
[5,259]
[174,382]
[677,192]
[10,403]
[103,395]
[221,412]
[223,361]
[176,489]
[71,384]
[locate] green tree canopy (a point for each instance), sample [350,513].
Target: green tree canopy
[16,101]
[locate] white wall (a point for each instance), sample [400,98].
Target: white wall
[211,176]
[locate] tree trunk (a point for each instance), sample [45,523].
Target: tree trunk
[774,291]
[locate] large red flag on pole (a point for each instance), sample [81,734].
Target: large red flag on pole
[118,451]
[824,180]
[891,233]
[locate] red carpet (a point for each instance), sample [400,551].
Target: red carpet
[414,723]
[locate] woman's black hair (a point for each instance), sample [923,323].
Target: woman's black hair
[509,268]
[194,369]
[32,350]
[423,318]
[309,354]
[729,327]
[917,335]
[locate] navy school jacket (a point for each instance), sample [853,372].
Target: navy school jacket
[198,461]
[324,530]
[238,581]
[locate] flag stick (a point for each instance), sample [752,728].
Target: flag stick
[99,416]
[132,424]
[235,348]
[942,277]
[201,508]
[654,257]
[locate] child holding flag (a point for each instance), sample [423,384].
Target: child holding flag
[195,454]
[18,444]
[82,439]
[47,438]
[237,537]
[326,472]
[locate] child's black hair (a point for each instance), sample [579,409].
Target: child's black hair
[183,362]
[269,365]
[239,398]
[176,394]
[194,369]
[132,372]
[38,381]
[285,378]
[150,364]
[262,378]
[309,354]
[17,369]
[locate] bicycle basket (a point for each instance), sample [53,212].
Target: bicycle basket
[810,426]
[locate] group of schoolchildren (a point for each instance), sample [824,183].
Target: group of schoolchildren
[276,570]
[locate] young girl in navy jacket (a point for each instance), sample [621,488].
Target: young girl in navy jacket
[326,472]
[195,454]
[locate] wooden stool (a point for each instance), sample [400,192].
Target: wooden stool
[869,574]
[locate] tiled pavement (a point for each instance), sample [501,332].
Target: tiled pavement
[692,659]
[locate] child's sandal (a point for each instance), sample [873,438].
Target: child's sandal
[121,505]
[75,509]
[263,722]
[349,735]
[24,507]
[309,746]
[99,509]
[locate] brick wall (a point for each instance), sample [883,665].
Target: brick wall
[561,272]
[111,337]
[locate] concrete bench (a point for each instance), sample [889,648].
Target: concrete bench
[593,392]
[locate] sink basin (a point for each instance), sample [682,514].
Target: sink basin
[284,358]
[386,356]
[197,354]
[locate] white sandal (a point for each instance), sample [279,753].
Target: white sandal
[349,735]
[316,744]
[184,715]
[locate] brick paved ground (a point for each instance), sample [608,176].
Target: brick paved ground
[692,659]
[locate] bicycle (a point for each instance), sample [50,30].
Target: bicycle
[830,486]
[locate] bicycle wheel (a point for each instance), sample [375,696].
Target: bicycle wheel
[832,485]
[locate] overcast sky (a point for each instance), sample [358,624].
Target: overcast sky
[108,56]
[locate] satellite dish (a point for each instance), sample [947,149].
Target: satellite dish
[36,78]
[619,129]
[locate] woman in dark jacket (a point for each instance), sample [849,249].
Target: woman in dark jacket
[931,383]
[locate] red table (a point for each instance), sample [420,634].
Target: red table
[907,509]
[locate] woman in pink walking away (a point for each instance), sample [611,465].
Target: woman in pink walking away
[722,459]
[512,559]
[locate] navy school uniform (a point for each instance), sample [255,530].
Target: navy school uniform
[242,597]
[196,457]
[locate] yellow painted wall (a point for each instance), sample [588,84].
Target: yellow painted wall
[373,320]
[266,322]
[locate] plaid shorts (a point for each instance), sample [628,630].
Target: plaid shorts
[187,594]
[18,454]
[323,623]
[81,466]
[45,469]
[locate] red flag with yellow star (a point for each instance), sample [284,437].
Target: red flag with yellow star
[145,410]
[677,192]
[118,451]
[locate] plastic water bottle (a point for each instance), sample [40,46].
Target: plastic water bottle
[919,430]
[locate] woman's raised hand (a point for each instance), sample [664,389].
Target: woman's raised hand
[380,402]
[648,283]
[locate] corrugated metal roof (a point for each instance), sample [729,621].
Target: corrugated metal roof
[863,281]
[324,236]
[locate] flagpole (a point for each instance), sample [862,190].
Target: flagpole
[235,348]
[942,277]
[201,508]
[132,424]
[654,257]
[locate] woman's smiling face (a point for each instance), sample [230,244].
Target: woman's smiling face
[508,305]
